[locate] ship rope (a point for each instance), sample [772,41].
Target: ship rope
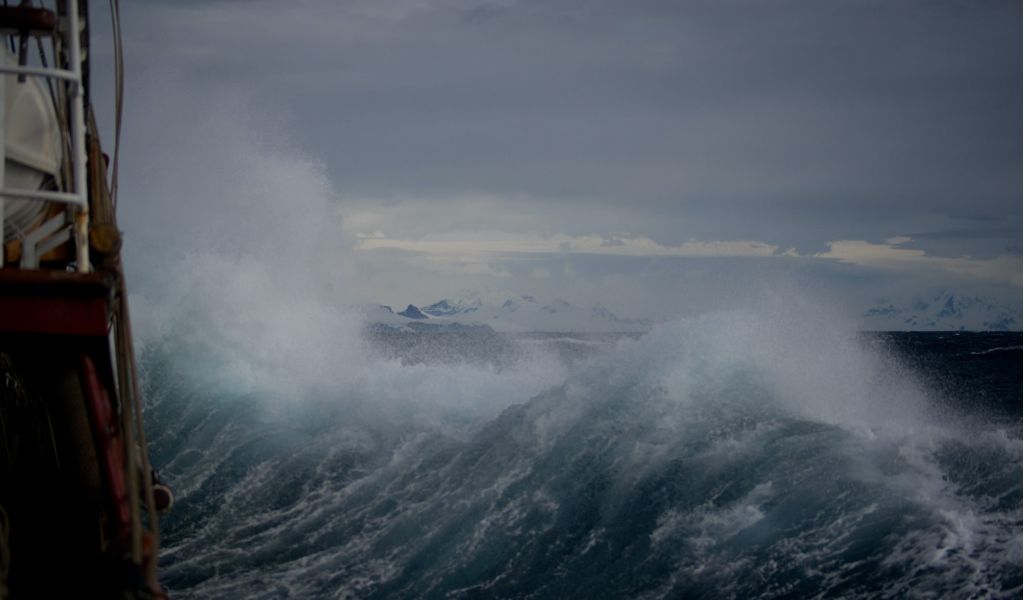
[144,551]
[115,22]
[147,470]
[137,449]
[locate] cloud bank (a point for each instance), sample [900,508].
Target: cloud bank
[629,151]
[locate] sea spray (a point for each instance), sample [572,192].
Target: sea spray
[763,452]
[726,456]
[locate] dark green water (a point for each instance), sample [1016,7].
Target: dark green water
[708,459]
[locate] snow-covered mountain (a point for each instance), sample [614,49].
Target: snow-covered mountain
[412,312]
[945,311]
[450,308]
[410,319]
[516,314]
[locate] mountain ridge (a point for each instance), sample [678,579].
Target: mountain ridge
[517,314]
[946,310]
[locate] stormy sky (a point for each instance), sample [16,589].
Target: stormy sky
[661,157]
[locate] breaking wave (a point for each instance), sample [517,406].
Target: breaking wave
[734,455]
[762,453]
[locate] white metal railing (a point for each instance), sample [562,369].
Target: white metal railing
[79,196]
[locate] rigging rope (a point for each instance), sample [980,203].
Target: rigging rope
[130,391]
[115,21]
[147,468]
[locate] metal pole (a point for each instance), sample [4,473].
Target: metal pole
[78,139]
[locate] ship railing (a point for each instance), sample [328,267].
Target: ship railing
[55,232]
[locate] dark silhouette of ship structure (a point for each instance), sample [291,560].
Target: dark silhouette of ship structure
[79,501]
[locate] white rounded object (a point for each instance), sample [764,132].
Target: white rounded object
[32,148]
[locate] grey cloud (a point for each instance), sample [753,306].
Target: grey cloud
[792,123]
[867,108]
[967,234]
[981,242]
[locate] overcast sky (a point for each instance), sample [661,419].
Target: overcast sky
[650,155]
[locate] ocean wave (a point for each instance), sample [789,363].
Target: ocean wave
[734,455]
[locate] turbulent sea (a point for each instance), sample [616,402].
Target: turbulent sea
[728,456]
